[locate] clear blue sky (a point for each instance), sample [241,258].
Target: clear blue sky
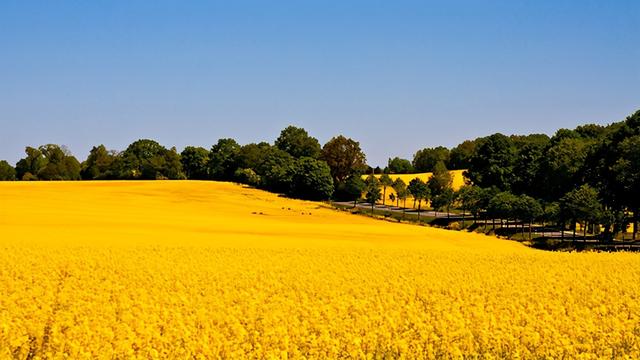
[395,75]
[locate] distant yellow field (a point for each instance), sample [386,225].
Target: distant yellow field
[458,181]
[186,269]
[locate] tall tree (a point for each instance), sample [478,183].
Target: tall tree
[400,187]
[426,159]
[353,188]
[581,205]
[195,162]
[311,180]
[420,191]
[223,159]
[99,164]
[7,172]
[627,175]
[29,166]
[344,157]
[147,159]
[399,166]
[460,156]
[440,180]
[385,182]
[492,164]
[297,142]
[372,191]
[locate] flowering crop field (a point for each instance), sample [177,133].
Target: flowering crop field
[186,269]
[457,181]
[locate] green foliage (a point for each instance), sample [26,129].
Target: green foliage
[311,180]
[297,142]
[443,200]
[419,190]
[344,157]
[48,162]
[351,189]
[503,205]
[400,187]
[400,166]
[7,172]
[581,204]
[493,162]
[373,193]
[276,171]
[223,159]
[426,159]
[99,164]
[441,180]
[147,160]
[31,164]
[247,176]
[460,156]
[195,162]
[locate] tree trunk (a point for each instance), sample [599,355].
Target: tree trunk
[404,208]
[635,224]
[562,230]
[384,195]
[493,224]
[584,231]
[355,203]
[373,203]
[530,230]
[419,204]
[462,217]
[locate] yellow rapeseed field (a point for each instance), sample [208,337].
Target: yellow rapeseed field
[186,269]
[457,181]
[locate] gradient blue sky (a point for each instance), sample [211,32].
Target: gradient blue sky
[395,75]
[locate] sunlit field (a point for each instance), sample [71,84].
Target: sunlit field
[457,181]
[186,269]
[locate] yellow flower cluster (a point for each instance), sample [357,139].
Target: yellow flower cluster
[177,270]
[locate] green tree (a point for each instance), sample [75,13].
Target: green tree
[195,162]
[443,200]
[426,159]
[373,193]
[460,156]
[441,180]
[562,166]
[344,157]
[99,164]
[400,187]
[276,171]
[29,167]
[581,205]
[627,175]
[247,176]
[493,162]
[420,191]
[7,172]
[470,199]
[399,166]
[527,209]
[502,206]
[311,180]
[297,142]
[385,182]
[223,159]
[148,160]
[353,188]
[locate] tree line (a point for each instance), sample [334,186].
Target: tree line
[590,174]
[295,164]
